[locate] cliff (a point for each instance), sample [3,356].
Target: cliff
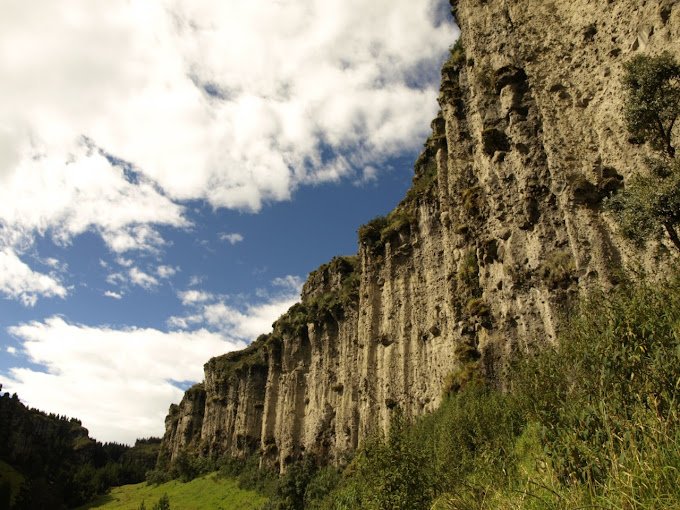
[502,227]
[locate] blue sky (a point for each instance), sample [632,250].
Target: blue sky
[171,171]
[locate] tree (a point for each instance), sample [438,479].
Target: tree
[650,204]
[653,102]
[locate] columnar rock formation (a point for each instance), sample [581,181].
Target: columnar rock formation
[503,225]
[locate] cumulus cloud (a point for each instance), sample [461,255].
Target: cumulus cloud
[142,279]
[136,237]
[232,238]
[113,295]
[256,320]
[292,283]
[118,381]
[166,271]
[192,296]
[19,281]
[115,112]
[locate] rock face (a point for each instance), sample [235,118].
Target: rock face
[502,226]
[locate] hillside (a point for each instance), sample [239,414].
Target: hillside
[50,461]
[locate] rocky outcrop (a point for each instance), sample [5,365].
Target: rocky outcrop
[503,225]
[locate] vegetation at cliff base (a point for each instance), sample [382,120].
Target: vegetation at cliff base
[590,423]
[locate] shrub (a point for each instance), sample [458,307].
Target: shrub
[468,273]
[611,387]
[369,234]
[558,270]
[653,100]
[652,203]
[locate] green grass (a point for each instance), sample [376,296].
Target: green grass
[208,492]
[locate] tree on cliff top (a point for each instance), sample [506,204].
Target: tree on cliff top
[650,204]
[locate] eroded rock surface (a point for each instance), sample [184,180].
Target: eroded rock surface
[503,225]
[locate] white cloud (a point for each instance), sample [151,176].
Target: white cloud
[116,279]
[113,295]
[133,275]
[166,271]
[142,279]
[236,103]
[289,282]
[248,325]
[11,350]
[368,175]
[122,261]
[195,280]
[246,322]
[192,296]
[136,237]
[44,193]
[118,381]
[53,263]
[232,238]
[19,281]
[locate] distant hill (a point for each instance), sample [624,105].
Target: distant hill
[49,461]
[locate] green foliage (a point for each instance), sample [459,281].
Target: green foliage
[650,204]
[369,234]
[158,476]
[558,270]
[11,479]
[388,474]
[456,54]
[377,232]
[322,483]
[187,467]
[468,273]
[330,305]
[255,478]
[467,373]
[292,487]
[620,383]
[163,503]
[653,102]
[424,180]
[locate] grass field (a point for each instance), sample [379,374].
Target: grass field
[205,493]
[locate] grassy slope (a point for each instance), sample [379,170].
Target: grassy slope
[207,492]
